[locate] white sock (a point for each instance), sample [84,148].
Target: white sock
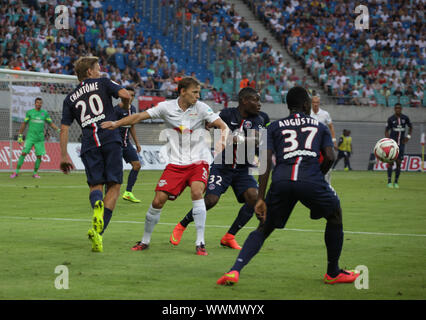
[151,219]
[199,213]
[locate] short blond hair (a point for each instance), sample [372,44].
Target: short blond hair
[83,64]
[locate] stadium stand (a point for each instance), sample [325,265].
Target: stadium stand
[389,58]
[150,44]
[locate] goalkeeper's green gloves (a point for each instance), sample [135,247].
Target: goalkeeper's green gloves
[20,138]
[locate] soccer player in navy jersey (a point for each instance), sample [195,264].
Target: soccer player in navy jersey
[130,154]
[395,129]
[90,104]
[298,176]
[224,174]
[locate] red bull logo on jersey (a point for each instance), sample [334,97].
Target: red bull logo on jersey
[182,129]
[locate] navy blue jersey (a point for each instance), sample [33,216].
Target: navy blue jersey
[397,127]
[232,117]
[124,130]
[297,141]
[90,104]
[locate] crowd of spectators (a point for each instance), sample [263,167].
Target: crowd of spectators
[29,41]
[379,66]
[382,65]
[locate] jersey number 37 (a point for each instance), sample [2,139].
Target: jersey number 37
[290,137]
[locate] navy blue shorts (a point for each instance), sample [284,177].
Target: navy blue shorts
[343,154]
[130,154]
[282,196]
[221,178]
[104,164]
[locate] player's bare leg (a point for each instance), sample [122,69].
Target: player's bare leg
[151,219]
[199,213]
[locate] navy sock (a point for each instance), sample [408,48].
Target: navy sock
[94,196]
[250,248]
[133,175]
[333,237]
[397,172]
[389,173]
[107,218]
[244,215]
[187,219]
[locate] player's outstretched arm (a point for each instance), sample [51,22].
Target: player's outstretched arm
[224,133]
[65,165]
[333,134]
[52,125]
[129,120]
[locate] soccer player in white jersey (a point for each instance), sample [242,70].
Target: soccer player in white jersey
[189,154]
[323,117]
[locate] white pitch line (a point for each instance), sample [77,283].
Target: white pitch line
[216,226]
[151,187]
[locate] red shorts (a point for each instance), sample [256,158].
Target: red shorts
[176,178]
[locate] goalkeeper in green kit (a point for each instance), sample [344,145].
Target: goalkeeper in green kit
[35,118]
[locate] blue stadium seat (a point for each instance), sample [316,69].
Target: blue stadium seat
[119,60]
[404,101]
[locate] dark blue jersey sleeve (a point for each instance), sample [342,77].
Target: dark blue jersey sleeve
[112,87]
[266,119]
[408,122]
[67,116]
[269,137]
[225,116]
[389,124]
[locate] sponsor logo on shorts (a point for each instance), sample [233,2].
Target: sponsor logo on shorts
[205,174]
[162,183]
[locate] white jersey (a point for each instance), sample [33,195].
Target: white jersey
[188,140]
[322,116]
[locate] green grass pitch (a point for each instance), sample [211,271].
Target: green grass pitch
[44,223]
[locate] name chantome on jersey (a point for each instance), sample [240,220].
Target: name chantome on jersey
[88,87]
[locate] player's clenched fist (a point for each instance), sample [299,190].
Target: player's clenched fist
[111,125]
[66,166]
[260,210]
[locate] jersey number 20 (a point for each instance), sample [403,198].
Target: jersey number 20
[95,104]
